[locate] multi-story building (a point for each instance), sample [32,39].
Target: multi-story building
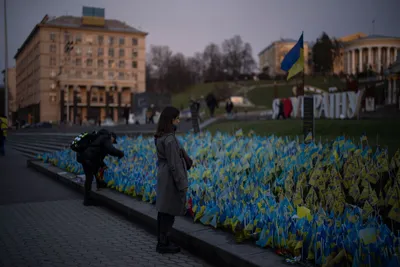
[12,92]
[271,57]
[79,68]
[376,52]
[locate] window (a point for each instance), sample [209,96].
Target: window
[78,62]
[78,38]
[52,48]
[121,40]
[78,74]
[67,37]
[89,52]
[100,39]
[100,74]
[121,52]
[89,74]
[111,63]
[78,51]
[52,36]
[134,64]
[121,75]
[121,64]
[110,75]
[134,76]
[52,61]
[110,40]
[134,53]
[100,52]
[89,62]
[100,63]
[134,42]
[111,52]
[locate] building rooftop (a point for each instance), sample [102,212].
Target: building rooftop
[282,40]
[111,25]
[76,22]
[374,36]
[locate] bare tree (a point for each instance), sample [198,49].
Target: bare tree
[212,60]
[196,67]
[237,56]
[158,60]
[178,76]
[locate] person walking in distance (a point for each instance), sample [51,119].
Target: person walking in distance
[229,107]
[92,159]
[3,134]
[172,178]
[126,114]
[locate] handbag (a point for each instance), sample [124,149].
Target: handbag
[188,160]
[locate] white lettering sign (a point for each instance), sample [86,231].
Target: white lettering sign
[326,105]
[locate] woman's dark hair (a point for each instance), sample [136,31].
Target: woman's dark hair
[165,124]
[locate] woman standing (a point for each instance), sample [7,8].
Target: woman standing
[172,182]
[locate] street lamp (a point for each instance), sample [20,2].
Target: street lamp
[6,62]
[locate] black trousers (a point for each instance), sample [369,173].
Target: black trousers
[281,114]
[90,173]
[164,224]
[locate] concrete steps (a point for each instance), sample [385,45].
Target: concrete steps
[32,145]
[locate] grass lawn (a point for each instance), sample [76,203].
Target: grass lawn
[263,96]
[202,89]
[385,132]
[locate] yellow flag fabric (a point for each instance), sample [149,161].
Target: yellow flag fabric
[4,125]
[293,62]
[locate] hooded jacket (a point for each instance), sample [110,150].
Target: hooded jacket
[99,149]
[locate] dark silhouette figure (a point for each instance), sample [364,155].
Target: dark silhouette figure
[126,114]
[212,103]
[229,106]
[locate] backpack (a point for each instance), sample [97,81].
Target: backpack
[82,141]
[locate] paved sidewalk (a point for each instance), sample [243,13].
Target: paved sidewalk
[43,223]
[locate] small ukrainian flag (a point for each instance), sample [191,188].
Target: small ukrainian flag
[308,138]
[293,62]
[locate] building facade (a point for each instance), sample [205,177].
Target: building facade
[271,57]
[377,52]
[79,68]
[12,91]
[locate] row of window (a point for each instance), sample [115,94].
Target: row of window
[90,39]
[100,75]
[100,63]
[100,51]
[97,98]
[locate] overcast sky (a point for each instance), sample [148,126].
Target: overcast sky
[187,26]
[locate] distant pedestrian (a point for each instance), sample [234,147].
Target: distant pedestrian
[3,134]
[152,114]
[229,107]
[281,110]
[126,114]
[212,103]
[172,178]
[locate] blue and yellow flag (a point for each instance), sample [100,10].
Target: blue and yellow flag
[293,62]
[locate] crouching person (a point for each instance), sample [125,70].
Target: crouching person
[92,159]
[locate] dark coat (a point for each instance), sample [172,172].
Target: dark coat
[99,149]
[229,107]
[172,177]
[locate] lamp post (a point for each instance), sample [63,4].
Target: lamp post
[6,62]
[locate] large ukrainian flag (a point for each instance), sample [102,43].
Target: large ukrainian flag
[293,62]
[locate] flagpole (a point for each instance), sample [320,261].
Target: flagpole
[373,26]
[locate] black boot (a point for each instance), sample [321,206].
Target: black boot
[164,246]
[88,201]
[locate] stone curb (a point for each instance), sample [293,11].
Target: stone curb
[214,246]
